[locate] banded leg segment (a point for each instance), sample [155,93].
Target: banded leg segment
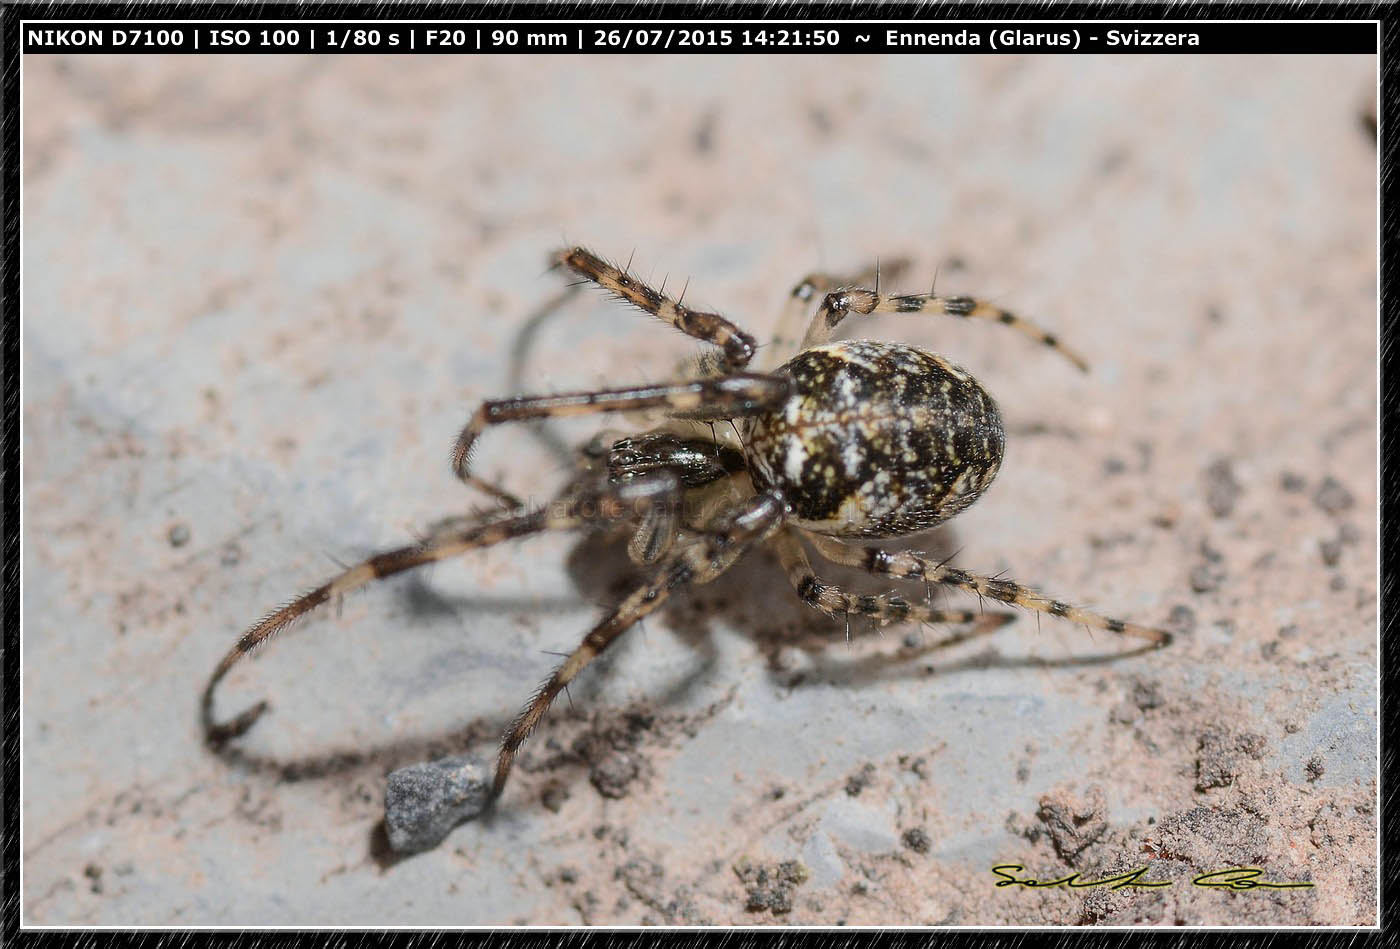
[784,344]
[836,306]
[911,565]
[659,490]
[735,396]
[884,608]
[717,549]
[737,346]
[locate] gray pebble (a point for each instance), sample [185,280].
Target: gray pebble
[424,801]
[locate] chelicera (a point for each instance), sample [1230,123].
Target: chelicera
[842,442]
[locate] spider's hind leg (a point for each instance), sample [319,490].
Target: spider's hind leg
[883,608]
[718,548]
[579,505]
[912,565]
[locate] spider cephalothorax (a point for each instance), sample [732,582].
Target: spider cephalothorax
[856,439]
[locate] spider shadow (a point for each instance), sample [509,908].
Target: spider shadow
[756,599]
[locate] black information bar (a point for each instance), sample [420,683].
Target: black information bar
[698,36]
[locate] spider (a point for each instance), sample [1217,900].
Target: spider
[844,441]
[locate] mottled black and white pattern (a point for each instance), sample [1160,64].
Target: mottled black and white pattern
[844,440]
[877,440]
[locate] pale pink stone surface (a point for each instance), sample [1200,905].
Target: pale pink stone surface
[261,294]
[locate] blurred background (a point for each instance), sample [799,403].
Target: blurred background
[262,294]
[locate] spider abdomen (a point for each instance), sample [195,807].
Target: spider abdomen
[877,440]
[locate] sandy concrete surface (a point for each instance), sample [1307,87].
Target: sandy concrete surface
[262,294]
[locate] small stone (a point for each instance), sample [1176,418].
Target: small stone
[860,780]
[179,535]
[1332,496]
[614,773]
[1222,490]
[1221,754]
[1182,619]
[770,887]
[553,796]
[1315,768]
[1331,551]
[1074,824]
[793,871]
[1147,694]
[917,840]
[423,802]
[1291,481]
[1204,579]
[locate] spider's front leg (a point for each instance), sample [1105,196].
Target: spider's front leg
[719,547]
[723,397]
[839,304]
[788,334]
[581,504]
[736,346]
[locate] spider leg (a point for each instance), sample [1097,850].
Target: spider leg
[717,549]
[912,565]
[737,346]
[836,306]
[572,509]
[883,609]
[734,396]
[794,316]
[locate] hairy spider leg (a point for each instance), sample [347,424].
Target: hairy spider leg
[883,608]
[610,503]
[911,565]
[794,317]
[718,548]
[737,346]
[837,305]
[735,396]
